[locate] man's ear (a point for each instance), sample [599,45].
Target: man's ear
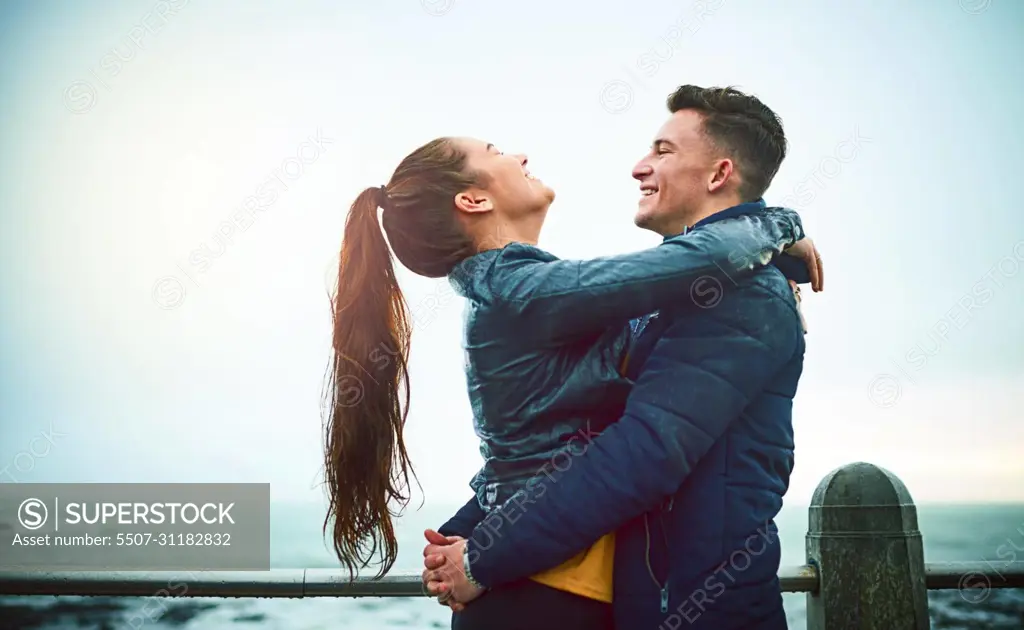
[473,201]
[724,171]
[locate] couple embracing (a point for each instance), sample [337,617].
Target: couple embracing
[634,411]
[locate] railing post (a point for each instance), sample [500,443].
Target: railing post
[863,536]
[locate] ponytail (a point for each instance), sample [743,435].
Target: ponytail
[365,460]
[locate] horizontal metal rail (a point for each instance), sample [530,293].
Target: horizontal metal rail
[973,575]
[273,583]
[335,583]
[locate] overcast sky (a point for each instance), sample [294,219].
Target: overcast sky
[154,330]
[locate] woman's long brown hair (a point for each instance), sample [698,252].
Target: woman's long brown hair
[366,465]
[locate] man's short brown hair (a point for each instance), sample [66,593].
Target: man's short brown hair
[742,125]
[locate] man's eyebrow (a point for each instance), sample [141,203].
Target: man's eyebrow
[489,147]
[662,142]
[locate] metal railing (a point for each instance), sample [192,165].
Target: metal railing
[289,583]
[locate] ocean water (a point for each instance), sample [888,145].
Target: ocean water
[951,533]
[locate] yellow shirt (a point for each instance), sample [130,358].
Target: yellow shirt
[588,574]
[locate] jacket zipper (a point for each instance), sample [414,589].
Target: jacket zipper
[663,588]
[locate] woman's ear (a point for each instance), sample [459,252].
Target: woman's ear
[473,201]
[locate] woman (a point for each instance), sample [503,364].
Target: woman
[544,341]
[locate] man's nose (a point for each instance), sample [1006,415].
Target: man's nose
[642,170]
[522,158]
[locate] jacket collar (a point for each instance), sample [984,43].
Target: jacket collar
[744,208]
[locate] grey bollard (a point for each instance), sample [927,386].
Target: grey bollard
[862,534]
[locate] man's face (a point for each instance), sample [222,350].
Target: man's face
[676,175]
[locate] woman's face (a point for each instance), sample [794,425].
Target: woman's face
[507,189]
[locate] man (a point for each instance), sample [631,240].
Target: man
[694,473]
